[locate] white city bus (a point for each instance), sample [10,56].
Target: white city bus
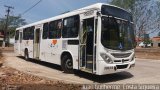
[97,39]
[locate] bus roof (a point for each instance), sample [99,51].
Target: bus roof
[96,6]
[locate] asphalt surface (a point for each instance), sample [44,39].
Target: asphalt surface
[145,72]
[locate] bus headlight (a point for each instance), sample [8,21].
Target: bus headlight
[106,58]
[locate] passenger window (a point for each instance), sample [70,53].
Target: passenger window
[28,33]
[58,28]
[52,32]
[31,30]
[45,31]
[55,29]
[70,27]
[25,34]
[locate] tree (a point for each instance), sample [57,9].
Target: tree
[13,23]
[147,40]
[147,18]
[126,4]
[146,14]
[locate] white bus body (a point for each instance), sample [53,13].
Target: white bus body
[83,39]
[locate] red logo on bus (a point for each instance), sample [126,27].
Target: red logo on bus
[54,42]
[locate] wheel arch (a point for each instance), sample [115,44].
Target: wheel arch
[26,54]
[66,53]
[26,50]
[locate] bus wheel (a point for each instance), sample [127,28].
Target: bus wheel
[67,64]
[26,56]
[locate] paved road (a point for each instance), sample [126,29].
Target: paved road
[145,72]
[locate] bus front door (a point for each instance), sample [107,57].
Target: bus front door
[87,45]
[36,48]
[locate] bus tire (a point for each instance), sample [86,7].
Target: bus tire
[67,64]
[26,55]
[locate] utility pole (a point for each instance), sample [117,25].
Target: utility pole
[6,31]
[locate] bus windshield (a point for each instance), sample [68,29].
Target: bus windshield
[117,34]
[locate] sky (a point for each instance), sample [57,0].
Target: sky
[45,9]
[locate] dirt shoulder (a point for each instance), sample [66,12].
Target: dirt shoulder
[12,79]
[1,58]
[7,49]
[148,53]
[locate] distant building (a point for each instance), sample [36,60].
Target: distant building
[1,35]
[156,41]
[138,40]
[1,38]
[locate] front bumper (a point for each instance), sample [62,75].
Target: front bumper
[105,68]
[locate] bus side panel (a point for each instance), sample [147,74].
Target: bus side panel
[17,44]
[50,50]
[30,48]
[58,51]
[74,52]
[43,49]
[27,44]
[22,47]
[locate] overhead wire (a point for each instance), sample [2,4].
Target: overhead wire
[31,7]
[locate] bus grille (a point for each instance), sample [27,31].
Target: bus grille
[121,61]
[122,66]
[121,55]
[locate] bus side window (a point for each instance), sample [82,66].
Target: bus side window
[58,28]
[52,31]
[70,27]
[55,29]
[45,31]
[25,34]
[31,31]
[28,33]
